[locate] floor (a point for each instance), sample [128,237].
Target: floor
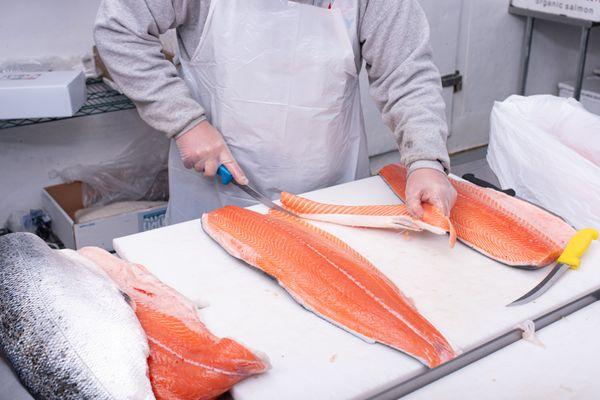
[467,162]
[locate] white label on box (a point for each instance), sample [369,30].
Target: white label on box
[152,219]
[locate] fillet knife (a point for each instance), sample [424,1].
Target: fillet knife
[569,259]
[227,178]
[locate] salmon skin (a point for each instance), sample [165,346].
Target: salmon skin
[329,278]
[186,361]
[372,216]
[504,228]
[66,329]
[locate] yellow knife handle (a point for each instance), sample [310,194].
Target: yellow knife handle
[577,246]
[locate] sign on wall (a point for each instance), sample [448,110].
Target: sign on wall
[582,9]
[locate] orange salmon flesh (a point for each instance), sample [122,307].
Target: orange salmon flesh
[329,278]
[499,226]
[372,216]
[186,361]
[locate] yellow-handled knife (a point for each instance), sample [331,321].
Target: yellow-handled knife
[569,259]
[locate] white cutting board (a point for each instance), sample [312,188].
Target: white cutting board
[526,371]
[462,292]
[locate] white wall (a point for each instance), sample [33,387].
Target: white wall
[489,57]
[46,28]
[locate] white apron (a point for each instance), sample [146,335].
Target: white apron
[279,80]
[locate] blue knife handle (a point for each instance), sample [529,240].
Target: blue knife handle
[224,174]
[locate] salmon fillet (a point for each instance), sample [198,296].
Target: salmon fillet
[329,278]
[375,216]
[186,361]
[499,226]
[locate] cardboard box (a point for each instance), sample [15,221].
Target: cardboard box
[588,10]
[41,94]
[62,201]
[590,94]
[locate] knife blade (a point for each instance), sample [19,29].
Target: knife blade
[261,198]
[227,178]
[542,287]
[569,259]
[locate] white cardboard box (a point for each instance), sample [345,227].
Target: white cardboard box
[62,201]
[41,94]
[581,9]
[590,94]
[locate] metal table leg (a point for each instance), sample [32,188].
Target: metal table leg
[583,46]
[526,54]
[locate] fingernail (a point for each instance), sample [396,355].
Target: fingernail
[244,180]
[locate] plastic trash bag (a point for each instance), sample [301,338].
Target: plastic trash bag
[570,123]
[83,62]
[138,173]
[547,149]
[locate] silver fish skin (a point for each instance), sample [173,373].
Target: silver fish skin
[65,327]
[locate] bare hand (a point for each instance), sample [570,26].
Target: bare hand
[204,149]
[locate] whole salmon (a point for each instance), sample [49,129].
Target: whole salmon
[66,328]
[186,362]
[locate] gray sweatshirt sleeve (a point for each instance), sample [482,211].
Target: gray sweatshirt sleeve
[126,34]
[404,82]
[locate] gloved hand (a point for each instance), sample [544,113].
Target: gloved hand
[428,185]
[204,149]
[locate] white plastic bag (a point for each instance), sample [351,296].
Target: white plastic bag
[138,173]
[567,121]
[547,149]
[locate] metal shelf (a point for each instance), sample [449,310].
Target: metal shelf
[532,16]
[100,99]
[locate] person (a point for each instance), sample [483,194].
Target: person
[269,88]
